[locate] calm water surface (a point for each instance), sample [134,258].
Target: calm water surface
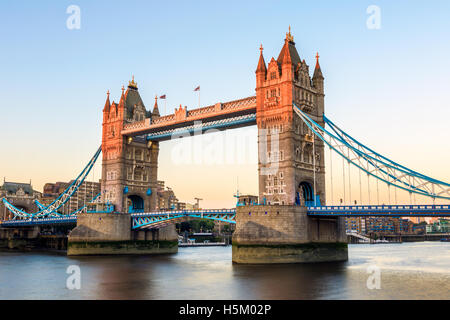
[408,271]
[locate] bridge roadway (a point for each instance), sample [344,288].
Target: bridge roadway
[161,218]
[227,115]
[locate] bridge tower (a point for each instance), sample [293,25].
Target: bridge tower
[129,165]
[291,170]
[129,181]
[286,169]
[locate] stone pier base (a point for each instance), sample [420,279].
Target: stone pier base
[110,234]
[285,234]
[82,248]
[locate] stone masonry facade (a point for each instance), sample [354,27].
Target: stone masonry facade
[129,167]
[286,173]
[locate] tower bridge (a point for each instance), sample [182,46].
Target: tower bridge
[291,222]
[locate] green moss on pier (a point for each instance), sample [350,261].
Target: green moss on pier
[302,246]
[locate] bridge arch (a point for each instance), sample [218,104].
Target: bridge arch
[305,193]
[158,219]
[135,203]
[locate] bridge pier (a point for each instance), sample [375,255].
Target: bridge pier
[19,238]
[110,233]
[285,234]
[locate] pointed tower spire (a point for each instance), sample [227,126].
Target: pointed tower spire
[155,112]
[261,63]
[288,53]
[107,103]
[122,98]
[121,106]
[317,70]
[132,84]
[289,36]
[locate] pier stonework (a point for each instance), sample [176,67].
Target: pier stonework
[285,234]
[110,233]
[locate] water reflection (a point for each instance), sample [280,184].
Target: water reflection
[295,281]
[408,271]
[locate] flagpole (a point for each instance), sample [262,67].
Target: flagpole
[198,89]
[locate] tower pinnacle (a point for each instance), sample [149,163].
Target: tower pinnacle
[155,112]
[107,103]
[317,71]
[132,84]
[261,63]
[289,36]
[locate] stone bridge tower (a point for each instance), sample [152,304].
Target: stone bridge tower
[291,170]
[129,165]
[129,181]
[286,168]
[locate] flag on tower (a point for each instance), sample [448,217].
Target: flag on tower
[197,89]
[163,96]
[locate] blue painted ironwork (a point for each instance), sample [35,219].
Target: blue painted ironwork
[160,218]
[73,213]
[201,128]
[39,221]
[407,180]
[62,198]
[383,210]
[338,131]
[152,219]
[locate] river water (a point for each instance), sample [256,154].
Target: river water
[406,271]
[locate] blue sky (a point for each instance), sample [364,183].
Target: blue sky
[388,87]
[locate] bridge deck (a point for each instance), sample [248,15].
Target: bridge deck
[183,117]
[383,210]
[159,218]
[39,221]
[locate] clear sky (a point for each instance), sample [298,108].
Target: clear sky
[389,87]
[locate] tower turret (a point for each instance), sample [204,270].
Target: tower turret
[107,103]
[318,85]
[121,107]
[155,113]
[318,76]
[106,108]
[261,70]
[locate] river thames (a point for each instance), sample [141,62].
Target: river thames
[407,271]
